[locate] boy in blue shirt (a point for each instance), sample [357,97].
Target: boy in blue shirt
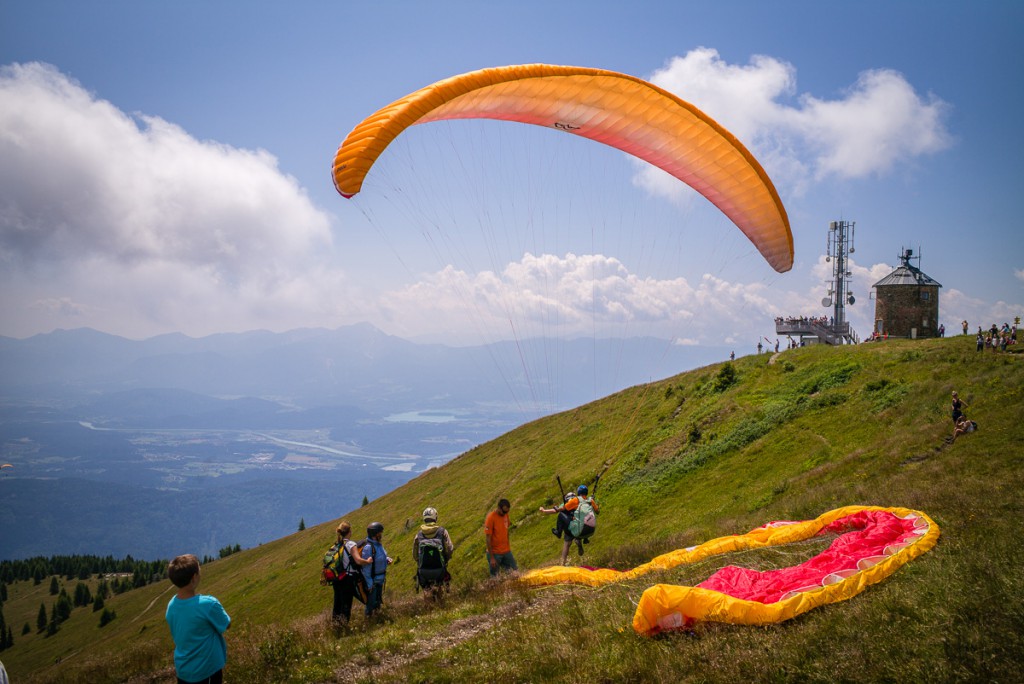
[197,623]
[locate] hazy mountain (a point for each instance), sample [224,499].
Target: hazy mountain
[253,431]
[356,364]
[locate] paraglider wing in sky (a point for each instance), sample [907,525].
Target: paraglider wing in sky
[619,110]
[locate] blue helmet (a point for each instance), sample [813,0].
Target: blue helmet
[582,490]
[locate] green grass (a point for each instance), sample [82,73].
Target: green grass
[718,450]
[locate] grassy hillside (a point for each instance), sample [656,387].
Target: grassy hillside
[718,450]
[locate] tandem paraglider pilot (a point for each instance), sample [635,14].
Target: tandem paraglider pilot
[576,520]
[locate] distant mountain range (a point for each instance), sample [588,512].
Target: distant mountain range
[256,431]
[355,365]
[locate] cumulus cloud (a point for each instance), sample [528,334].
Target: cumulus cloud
[104,209]
[956,306]
[876,124]
[571,296]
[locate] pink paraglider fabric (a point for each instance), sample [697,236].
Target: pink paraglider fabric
[864,538]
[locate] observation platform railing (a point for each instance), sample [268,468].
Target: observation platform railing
[835,334]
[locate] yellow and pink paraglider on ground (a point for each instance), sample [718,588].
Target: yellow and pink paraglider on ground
[873,543]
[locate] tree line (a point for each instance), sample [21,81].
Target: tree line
[116,576]
[82,567]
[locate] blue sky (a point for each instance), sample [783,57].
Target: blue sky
[165,167]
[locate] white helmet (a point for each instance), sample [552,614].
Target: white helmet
[429,514]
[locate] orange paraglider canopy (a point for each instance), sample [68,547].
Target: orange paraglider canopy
[619,110]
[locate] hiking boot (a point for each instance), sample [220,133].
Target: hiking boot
[579,545]
[587,540]
[554,531]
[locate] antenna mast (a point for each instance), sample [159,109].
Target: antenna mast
[839,248]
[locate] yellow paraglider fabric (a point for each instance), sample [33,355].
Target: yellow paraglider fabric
[665,607]
[619,110]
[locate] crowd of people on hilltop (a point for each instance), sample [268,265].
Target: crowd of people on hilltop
[995,338]
[806,320]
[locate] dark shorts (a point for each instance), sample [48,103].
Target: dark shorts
[216,678]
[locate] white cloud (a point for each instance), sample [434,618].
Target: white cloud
[879,122]
[956,306]
[574,295]
[1019,274]
[102,211]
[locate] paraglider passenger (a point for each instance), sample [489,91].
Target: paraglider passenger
[565,525]
[499,551]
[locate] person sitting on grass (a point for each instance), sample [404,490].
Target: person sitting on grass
[963,426]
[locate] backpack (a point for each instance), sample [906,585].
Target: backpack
[431,567]
[584,520]
[335,569]
[333,564]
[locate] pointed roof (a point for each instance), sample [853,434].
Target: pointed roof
[906,274]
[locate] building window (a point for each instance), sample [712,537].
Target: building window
[925,295]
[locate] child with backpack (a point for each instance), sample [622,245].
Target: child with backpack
[577,520]
[432,549]
[342,571]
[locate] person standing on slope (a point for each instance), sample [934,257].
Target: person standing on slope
[432,543]
[345,587]
[958,407]
[499,551]
[197,623]
[375,572]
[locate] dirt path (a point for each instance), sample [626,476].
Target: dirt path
[458,632]
[155,599]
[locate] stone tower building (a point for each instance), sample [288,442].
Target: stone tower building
[907,302]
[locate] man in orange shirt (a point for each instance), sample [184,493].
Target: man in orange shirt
[499,553]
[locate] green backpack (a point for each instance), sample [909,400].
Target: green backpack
[334,568]
[584,520]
